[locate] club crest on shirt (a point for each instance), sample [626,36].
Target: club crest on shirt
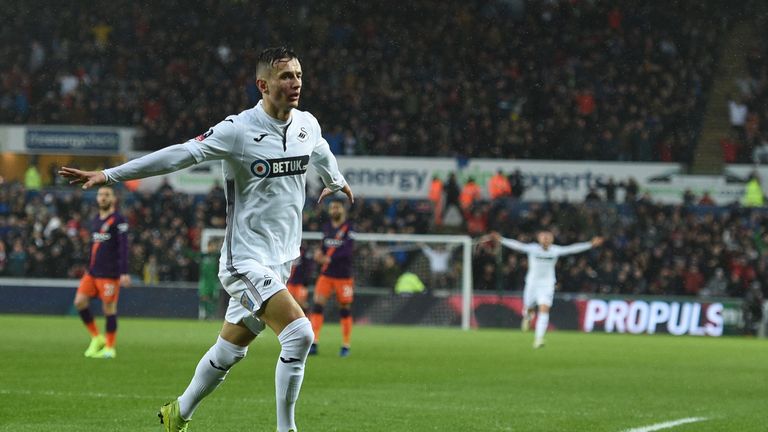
[280,167]
[303,134]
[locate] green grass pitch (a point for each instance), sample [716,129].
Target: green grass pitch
[397,379]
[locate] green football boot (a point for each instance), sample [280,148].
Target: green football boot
[105,353]
[170,417]
[96,345]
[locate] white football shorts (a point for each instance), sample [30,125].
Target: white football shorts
[538,295]
[249,284]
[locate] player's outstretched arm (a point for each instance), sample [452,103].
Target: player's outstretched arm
[511,243]
[216,144]
[578,247]
[164,161]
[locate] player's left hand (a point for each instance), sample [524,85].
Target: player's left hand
[125,280]
[346,189]
[597,241]
[87,178]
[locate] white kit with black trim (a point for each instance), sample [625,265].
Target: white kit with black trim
[264,163]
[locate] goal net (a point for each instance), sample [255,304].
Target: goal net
[401,278]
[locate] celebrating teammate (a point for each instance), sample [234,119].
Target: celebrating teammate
[335,260]
[107,271]
[540,279]
[265,152]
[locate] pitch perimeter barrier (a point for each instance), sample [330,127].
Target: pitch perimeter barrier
[588,313]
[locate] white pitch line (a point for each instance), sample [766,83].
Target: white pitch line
[667,425]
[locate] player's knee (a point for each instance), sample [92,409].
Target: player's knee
[345,311]
[226,354]
[305,336]
[318,308]
[296,338]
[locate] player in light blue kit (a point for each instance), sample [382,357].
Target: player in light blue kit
[540,279]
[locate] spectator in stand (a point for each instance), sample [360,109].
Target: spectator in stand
[610,189]
[689,198]
[730,148]
[693,280]
[436,198]
[706,199]
[592,196]
[753,192]
[737,114]
[470,194]
[752,309]
[17,260]
[452,194]
[498,186]
[631,190]
[716,286]
[517,184]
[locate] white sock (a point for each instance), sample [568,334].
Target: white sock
[542,321]
[210,372]
[295,340]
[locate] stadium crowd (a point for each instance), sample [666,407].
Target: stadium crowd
[505,78]
[650,249]
[748,116]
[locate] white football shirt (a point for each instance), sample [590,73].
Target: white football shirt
[264,165]
[541,262]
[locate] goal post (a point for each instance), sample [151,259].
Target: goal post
[411,244]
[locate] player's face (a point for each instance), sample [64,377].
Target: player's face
[336,211]
[283,85]
[105,198]
[545,239]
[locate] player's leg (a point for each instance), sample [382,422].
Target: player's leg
[285,317]
[231,346]
[110,329]
[345,296]
[323,289]
[109,290]
[529,301]
[544,300]
[85,291]
[202,307]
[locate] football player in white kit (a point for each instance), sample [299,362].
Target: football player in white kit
[265,152]
[540,279]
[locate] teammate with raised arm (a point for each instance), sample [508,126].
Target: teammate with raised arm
[264,151]
[107,271]
[540,279]
[335,260]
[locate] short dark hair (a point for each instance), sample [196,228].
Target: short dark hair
[270,56]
